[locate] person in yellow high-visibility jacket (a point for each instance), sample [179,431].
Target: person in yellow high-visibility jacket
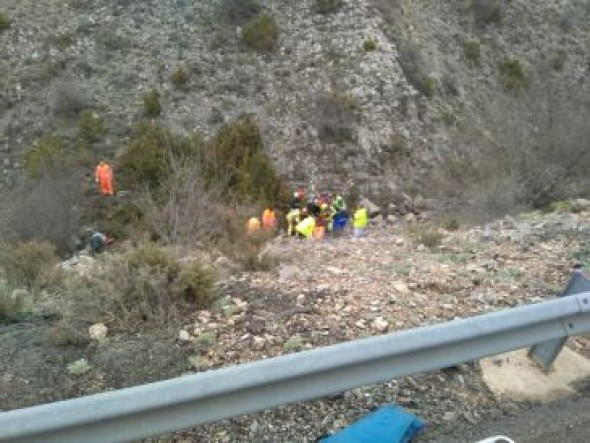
[293,217]
[306,226]
[360,220]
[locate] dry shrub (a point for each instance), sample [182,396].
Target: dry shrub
[69,97]
[336,117]
[27,263]
[144,288]
[11,303]
[415,68]
[46,208]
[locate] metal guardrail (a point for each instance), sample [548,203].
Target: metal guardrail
[192,400]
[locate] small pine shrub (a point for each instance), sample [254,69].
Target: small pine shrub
[179,77]
[448,118]
[206,339]
[90,126]
[64,40]
[327,6]
[370,45]
[294,344]
[472,51]
[28,263]
[195,284]
[4,22]
[151,103]
[261,33]
[558,62]
[429,86]
[450,223]
[46,156]
[397,145]
[79,367]
[514,76]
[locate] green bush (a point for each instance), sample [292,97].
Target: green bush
[151,103]
[327,6]
[472,50]
[514,76]
[558,61]
[261,33]
[429,86]
[64,40]
[336,118]
[4,22]
[28,263]
[151,150]
[369,45]
[195,284]
[236,161]
[90,126]
[179,77]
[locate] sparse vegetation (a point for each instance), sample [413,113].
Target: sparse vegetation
[428,237]
[294,344]
[558,61]
[472,50]
[370,45]
[261,33]
[414,66]
[179,77]
[47,155]
[90,126]
[398,145]
[327,6]
[238,12]
[4,22]
[68,97]
[151,103]
[514,76]
[64,39]
[487,12]
[26,264]
[11,303]
[336,117]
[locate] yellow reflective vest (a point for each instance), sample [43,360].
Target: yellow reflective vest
[360,219]
[305,227]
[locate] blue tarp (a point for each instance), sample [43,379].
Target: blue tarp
[388,424]
[340,220]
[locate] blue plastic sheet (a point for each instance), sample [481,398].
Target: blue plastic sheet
[388,424]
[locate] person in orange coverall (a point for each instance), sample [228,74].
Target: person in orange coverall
[104,177]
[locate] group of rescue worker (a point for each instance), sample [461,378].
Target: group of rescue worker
[314,217]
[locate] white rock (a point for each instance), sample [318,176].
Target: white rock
[184,335]
[258,343]
[401,288]
[98,331]
[380,324]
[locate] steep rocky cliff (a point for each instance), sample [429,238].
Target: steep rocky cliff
[372,93]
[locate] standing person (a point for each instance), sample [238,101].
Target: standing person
[269,219]
[293,217]
[104,177]
[360,220]
[253,225]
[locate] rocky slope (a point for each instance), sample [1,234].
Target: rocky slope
[331,112]
[326,293]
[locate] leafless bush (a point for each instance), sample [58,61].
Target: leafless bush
[487,11]
[190,212]
[415,69]
[45,208]
[535,153]
[336,119]
[69,97]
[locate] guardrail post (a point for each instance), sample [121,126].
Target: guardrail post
[545,353]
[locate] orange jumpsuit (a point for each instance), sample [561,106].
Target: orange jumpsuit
[269,219]
[104,178]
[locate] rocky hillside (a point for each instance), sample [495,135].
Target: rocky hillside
[369,92]
[400,275]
